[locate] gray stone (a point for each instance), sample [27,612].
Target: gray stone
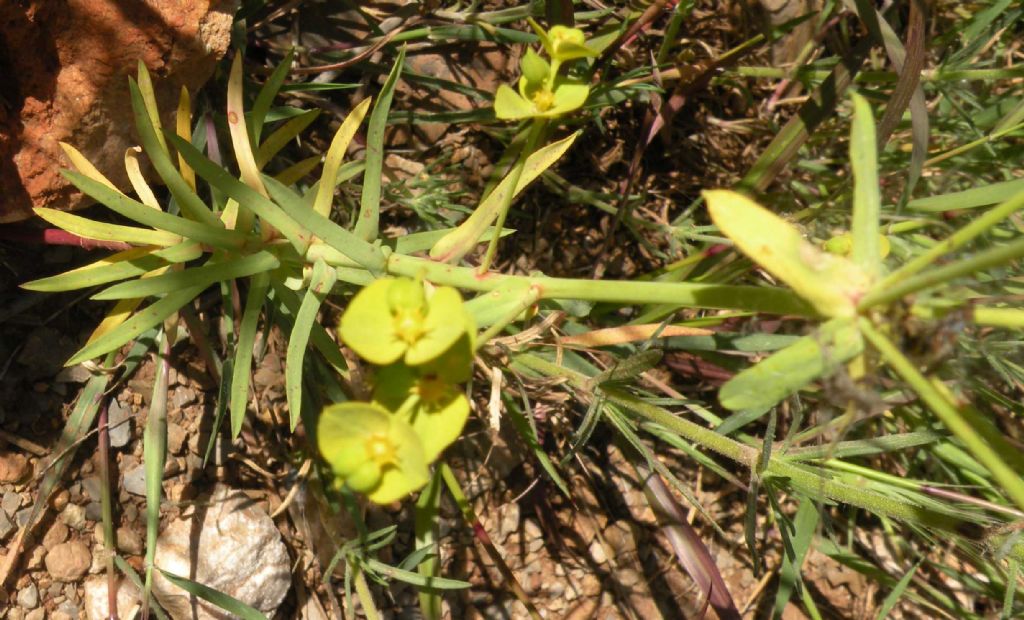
[73,516]
[67,611]
[95,602]
[135,481]
[23,516]
[176,438]
[119,420]
[94,511]
[6,527]
[28,597]
[91,485]
[11,502]
[238,550]
[74,374]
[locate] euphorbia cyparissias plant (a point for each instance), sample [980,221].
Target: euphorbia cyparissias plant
[423,339]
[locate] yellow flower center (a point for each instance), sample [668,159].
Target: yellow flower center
[433,392]
[544,99]
[380,449]
[408,325]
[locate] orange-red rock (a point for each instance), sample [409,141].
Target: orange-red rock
[63,77]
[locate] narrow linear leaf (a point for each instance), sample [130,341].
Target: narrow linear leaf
[265,98]
[138,181]
[363,253]
[85,166]
[243,351]
[142,320]
[969,199]
[416,579]
[283,135]
[339,145]
[243,194]
[866,252]
[321,339]
[292,174]
[203,276]
[225,602]
[787,371]
[460,241]
[368,220]
[126,264]
[183,126]
[155,146]
[117,315]
[896,593]
[148,97]
[91,229]
[213,234]
[240,135]
[320,285]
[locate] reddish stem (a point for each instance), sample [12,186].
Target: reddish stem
[56,236]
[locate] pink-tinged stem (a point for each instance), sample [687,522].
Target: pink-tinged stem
[56,236]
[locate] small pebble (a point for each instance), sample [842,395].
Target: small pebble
[60,500]
[11,502]
[57,534]
[6,527]
[28,597]
[23,515]
[73,516]
[36,614]
[135,481]
[94,511]
[119,419]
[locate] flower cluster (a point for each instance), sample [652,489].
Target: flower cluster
[423,340]
[543,93]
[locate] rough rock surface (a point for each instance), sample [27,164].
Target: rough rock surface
[96,598]
[65,64]
[231,545]
[68,561]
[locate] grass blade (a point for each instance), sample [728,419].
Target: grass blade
[368,222]
[320,285]
[427,513]
[243,351]
[982,439]
[208,594]
[284,134]
[154,457]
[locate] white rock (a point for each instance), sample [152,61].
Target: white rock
[96,598]
[239,553]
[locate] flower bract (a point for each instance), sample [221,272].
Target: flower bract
[372,451]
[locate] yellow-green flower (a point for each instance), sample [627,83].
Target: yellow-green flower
[372,451]
[538,101]
[394,319]
[429,397]
[563,43]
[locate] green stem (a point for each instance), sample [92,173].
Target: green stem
[536,128]
[365,597]
[885,294]
[750,298]
[981,438]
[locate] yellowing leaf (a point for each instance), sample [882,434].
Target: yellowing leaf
[460,241]
[832,284]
